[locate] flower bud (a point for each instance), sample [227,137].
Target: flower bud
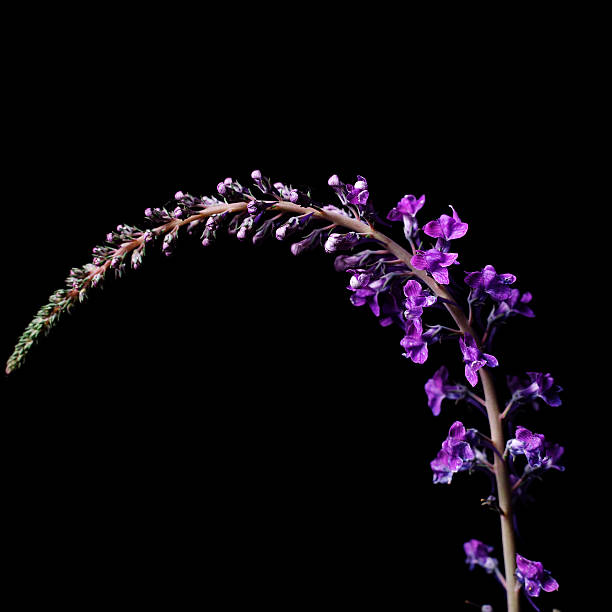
[256,175]
[360,280]
[341,241]
[334,181]
[221,188]
[245,227]
[179,195]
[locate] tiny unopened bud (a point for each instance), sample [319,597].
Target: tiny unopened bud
[148,212]
[341,241]
[246,225]
[333,181]
[281,232]
[256,175]
[178,211]
[179,195]
[279,186]
[228,181]
[109,236]
[291,224]
[221,188]
[360,280]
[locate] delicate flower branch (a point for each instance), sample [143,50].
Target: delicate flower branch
[398,286]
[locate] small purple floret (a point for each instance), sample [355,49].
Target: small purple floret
[474,358]
[455,455]
[533,577]
[477,553]
[447,228]
[407,206]
[416,299]
[437,389]
[529,444]
[487,281]
[413,342]
[434,262]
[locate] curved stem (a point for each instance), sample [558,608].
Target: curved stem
[356,225]
[490,402]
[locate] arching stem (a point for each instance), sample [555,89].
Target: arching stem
[46,320]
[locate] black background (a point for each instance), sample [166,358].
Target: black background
[223,424]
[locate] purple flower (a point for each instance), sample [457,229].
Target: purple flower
[407,206]
[406,211]
[413,342]
[437,390]
[179,195]
[358,193]
[434,262]
[474,358]
[455,455]
[533,576]
[539,385]
[367,287]
[477,553]
[256,175]
[447,228]
[416,299]
[539,452]
[515,303]
[527,443]
[488,281]
[543,386]
[442,472]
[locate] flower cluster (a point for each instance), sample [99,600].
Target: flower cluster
[408,288]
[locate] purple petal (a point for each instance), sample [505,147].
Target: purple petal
[419,262]
[434,229]
[440,276]
[491,360]
[549,584]
[412,288]
[471,376]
